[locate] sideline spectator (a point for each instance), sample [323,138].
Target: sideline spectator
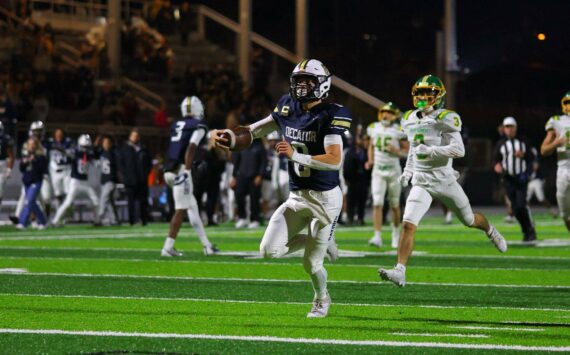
[33,168]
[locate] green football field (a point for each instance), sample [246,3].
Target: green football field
[81,289]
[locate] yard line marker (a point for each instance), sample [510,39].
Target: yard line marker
[441,335]
[191,278]
[270,263]
[498,328]
[12,270]
[275,339]
[381,305]
[86,236]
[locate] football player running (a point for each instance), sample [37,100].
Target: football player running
[435,139]
[60,151]
[311,131]
[558,139]
[185,137]
[387,144]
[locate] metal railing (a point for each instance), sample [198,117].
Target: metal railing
[206,12]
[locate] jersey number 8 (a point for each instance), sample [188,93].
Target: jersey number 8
[300,170]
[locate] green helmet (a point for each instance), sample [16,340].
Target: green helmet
[432,87]
[389,107]
[565,101]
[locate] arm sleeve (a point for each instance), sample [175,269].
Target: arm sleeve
[263,127]
[454,149]
[197,136]
[307,160]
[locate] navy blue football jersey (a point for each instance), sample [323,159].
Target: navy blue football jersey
[5,143]
[180,133]
[108,161]
[80,163]
[306,131]
[59,152]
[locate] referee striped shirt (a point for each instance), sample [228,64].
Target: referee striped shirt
[506,153]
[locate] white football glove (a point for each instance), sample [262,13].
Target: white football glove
[7,173]
[405,178]
[423,149]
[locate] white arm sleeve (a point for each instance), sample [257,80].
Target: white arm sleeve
[197,136]
[308,161]
[409,168]
[455,148]
[263,127]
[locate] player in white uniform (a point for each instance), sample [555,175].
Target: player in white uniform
[60,151]
[435,139]
[387,144]
[558,139]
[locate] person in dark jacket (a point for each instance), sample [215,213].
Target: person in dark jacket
[33,167]
[357,178]
[134,166]
[249,167]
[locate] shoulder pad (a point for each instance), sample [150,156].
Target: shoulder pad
[555,118]
[407,114]
[283,106]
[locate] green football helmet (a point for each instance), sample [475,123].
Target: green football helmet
[428,92]
[391,108]
[565,102]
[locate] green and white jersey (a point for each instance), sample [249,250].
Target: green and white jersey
[428,129]
[561,125]
[381,137]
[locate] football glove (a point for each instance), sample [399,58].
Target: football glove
[405,178]
[424,150]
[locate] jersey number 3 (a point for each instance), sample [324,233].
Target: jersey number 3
[301,170]
[178,130]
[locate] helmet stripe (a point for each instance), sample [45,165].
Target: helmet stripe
[304,63]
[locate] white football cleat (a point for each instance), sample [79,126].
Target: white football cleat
[497,239]
[397,275]
[241,223]
[320,308]
[211,250]
[20,226]
[509,219]
[332,251]
[169,253]
[448,218]
[254,224]
[375,242]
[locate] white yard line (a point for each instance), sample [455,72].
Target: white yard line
[274,339]
[223,262]
[191,278]
[379,305]
[441,335]
[498,328]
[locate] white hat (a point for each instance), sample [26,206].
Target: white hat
[509,121]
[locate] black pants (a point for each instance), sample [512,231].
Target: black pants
[356,200]
[137,195]
[212,189]
[516,192]
[245,186]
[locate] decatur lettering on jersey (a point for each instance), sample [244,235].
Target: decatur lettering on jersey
[300,135]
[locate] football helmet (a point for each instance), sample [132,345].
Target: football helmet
[565,102]
[310,81]
[428,93]
[388,113]
[84,141]
[37,129]
[192,106]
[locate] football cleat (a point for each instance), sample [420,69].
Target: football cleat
[15,220]
[254,224]
[448,218]
[397,275]
[509,219]
[241,223]
[211,250]
[320,308]
[20,226]
[332,250]
[497,239]
[169,253]
[375,242]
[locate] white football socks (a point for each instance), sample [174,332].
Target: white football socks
[377,235]
[319,280]
[169,243]
[196,222]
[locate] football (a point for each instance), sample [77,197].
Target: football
[238,138]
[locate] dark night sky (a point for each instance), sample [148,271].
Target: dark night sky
[510,71]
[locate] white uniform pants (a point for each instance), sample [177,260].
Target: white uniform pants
[107,202]
[563,192]
[60,180]
[382,183]
[77,188]
[317,209]
[442,186]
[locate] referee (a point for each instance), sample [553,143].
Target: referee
[513,160]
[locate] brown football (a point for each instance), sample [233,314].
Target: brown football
[241,137]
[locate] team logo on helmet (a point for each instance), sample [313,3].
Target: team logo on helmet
[310,81]
[428,92]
